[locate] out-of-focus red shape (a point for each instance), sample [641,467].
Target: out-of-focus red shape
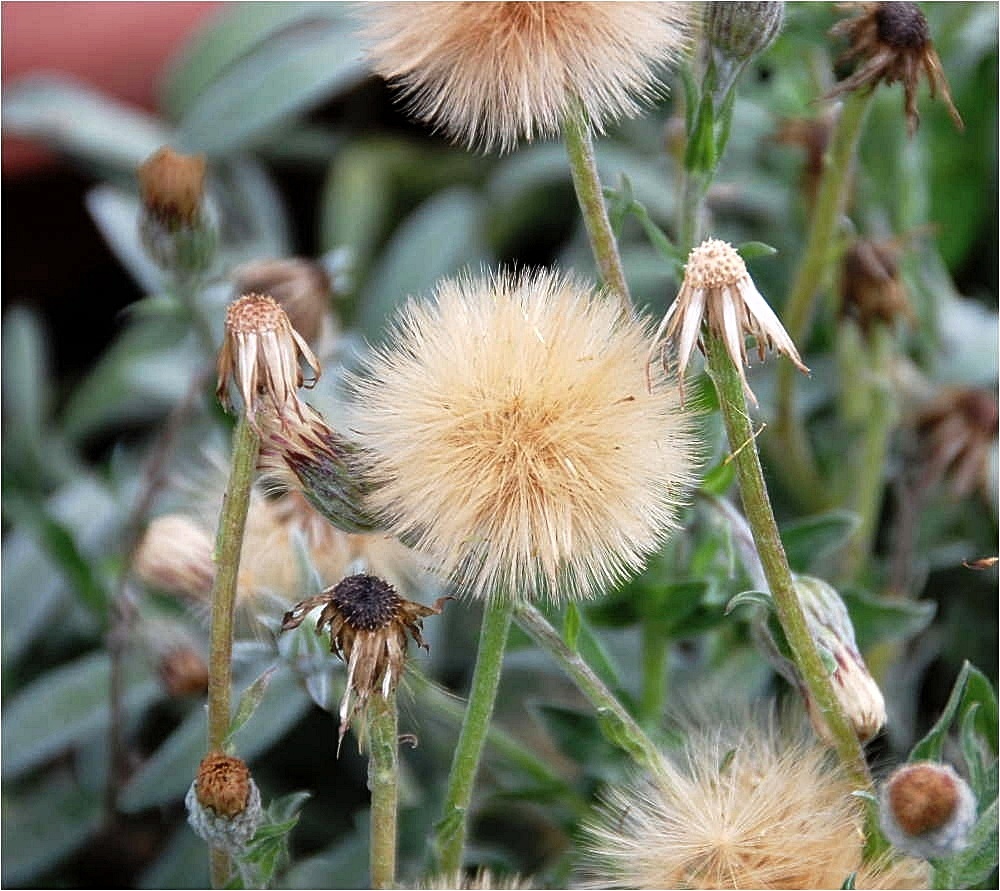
[118,48]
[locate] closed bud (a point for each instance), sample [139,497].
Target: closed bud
[871,286]
[927,810]
[743,30]
[183,671]
[223,803]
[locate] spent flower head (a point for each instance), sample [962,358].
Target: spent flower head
[893,43]
[262,355]
[717,290]
[223,803]
[368,623]
[492,73]
[511,437]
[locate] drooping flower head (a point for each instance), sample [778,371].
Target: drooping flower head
[753,807]
[512,438]
[491,73]
[718,290]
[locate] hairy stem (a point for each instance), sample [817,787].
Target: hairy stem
[383,783]
[590,195]
[228,546]
[452,829]
[757,507]
[616,723]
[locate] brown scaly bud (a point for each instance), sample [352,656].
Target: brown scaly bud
[172,187]
[262,355]
[718,290]
[926,809]
[368,623]
[302,453]
[183,671]
[893,42]
[301,287]
[871,287]
[223,803]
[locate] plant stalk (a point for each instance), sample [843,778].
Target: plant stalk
[616,723]
[452,829]
[383,783]
[228,547]
[757,507]
[590,195]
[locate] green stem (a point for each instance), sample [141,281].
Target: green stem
[797,462]
[453,827]
[590,195]
[228,546]
[616,723]
[655,654]
[383,783]
[757,507]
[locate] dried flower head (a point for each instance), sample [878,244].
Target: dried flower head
[368,623]
[302,453]
[301,287]
[871,287]
[223,803]
[489,74]
[926,809]
[894,42]
[481,880]
[745,808]
[261,354]
[958,433]
[812,135]
[718,290]
[172,187]
[512,437]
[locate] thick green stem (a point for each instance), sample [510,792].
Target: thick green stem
[590,195]
[616,723]
[757,507]
[453,826]
[798,463]
[228,546]
[383,783]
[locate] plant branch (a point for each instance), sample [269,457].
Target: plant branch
[383,783]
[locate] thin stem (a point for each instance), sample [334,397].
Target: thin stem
[757,507]
[616,723]
[798,462]
[453,826]
[590,195]
[383,783]
[655,657]
[228,546]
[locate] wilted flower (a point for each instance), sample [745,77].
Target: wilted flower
[927,810]
[512,438]
[745,808]
[492,73]
[261,354]
[871,287]
[368,623]
[718,290]
[894,43]
[481,880]
[223,803]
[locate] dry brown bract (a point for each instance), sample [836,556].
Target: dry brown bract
[368,623]
[894,41]
[261,354]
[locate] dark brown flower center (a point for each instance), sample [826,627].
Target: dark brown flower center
[902,26]
[366,602]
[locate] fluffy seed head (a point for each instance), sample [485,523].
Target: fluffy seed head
[491,73]
[512,438]
[751,808]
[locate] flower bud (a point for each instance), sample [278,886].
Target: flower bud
[223,803]
[183,671]
[831,628]
[743,30]
[926,809]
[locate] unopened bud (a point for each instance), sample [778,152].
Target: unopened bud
[183,671]
[830,626]
[223,803]
[743,30]
[927,810]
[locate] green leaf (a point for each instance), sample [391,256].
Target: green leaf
[976,862]
[571,626]
[248,703]
[879,619]
[808,540]
[68,706]
[719,479]
[32,591]
[578,735]
[116,214]
[280,78]
[183,863]
[750,250]
[440,237]
[750,598]
[971,687]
